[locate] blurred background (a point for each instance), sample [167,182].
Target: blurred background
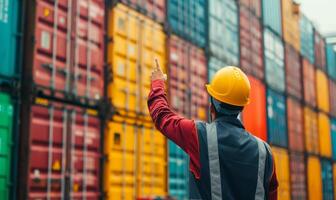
[74,80]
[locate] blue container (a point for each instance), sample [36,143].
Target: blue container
[276,119]
[224,31]
[214,64]
[327,180]
[333,137]
[307,38]
[10,38]
[188,19]
[178,170]
[274,61]
[272,15]
[331,60]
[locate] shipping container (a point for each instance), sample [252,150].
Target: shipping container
[307,38]
[281,162]
[60,149]
[331,60]
[256,122]
[333,137]
[11,38]
[293,72]
[253,5]
[137,40]
[214,64]
[154,9]
[224,30]
[311,131]
[314,179]
[334,178]
[276,119]
[319,50]
[187,78]
[324,134]
[308,76]
[295,125]
[332,97]
[298,176]
[188,19]
[290,23]
[274,61]
[272,15]
[135,165]
[327,179]
[251,47]
[322,91]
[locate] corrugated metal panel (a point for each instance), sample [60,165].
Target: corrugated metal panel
[253,5]
[298,176]
[6,142]
[154,9]
[188,20]
[276,117]
[314,178]
[214,64]
[332,97]
[251,47]
[274,61]
[272,15]
[333,137]
[224,30]
[311,131]
[136,163]
[324,134]
[290,23]
[9,36]
[281,161]
[320,54]
[309,92]
[327,180]
[331,60]
[293,72]
[334,178]
[256,122]
[295,125]
[137,40]
[307,38]
[322,91]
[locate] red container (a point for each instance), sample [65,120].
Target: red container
[298,176]
[253,5]
[309,92]
[320,56]
[251,51]
[63,157]
[67,54]
[293,72]
[155,9]
[187,79]
[332,95]
[254,115]
[295,125]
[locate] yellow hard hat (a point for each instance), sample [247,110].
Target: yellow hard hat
[230,85]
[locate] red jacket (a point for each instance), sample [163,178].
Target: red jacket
[183,131]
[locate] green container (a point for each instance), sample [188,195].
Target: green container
[6,126]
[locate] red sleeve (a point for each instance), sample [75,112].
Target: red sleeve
[273,187]
[180,130]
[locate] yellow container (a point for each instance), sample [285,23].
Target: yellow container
[136,164]
[135,41]
[314,178]
[324,134]
[311,131]
[282,170]
[322,91]
[290,23]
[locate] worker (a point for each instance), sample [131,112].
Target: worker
[226,162]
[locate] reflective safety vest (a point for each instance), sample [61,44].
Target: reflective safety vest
[234,164]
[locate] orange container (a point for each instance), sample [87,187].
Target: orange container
[290,23]
[322,91]
[255,122]
[295,125]
[282,170]
[314,178]
[311,131]
[324,134]
[309,92]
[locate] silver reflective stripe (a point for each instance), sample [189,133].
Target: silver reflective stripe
[214,167]
[260,190]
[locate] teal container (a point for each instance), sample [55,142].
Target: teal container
[10,38]
[6,130]
[272,15]
[214,64]
[333,137]
[331,60]
[307,39]
[327,180]
[178,170]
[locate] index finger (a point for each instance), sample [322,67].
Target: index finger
[157,65]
